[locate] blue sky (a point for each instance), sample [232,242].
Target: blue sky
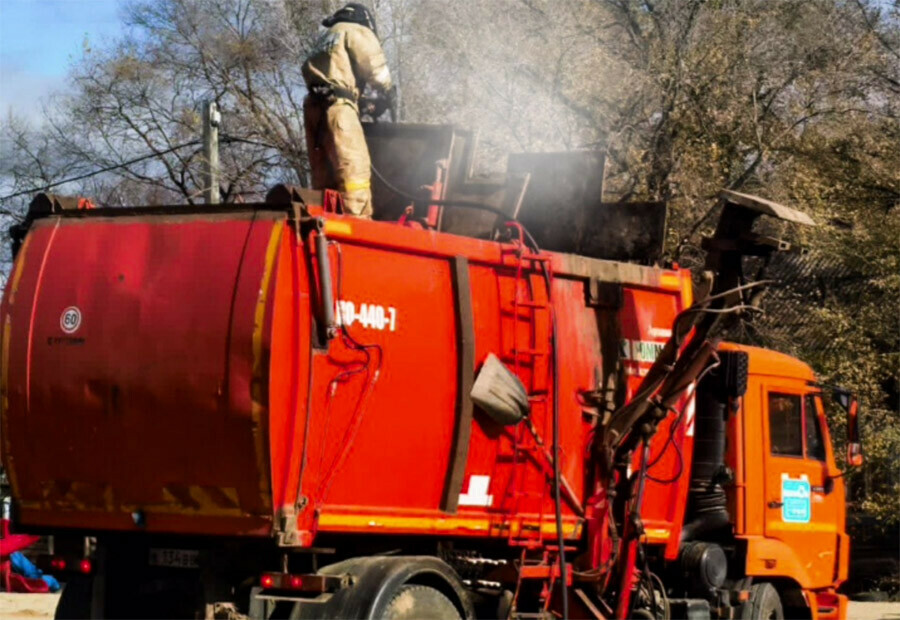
[38,41]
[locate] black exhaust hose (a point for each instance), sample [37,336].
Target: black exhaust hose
[706,498]
[707,503]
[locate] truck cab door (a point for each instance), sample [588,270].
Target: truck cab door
[804,501]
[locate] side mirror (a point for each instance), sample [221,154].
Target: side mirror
[850,405]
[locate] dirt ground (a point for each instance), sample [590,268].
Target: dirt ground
[874,611]
[22,606]
[32,606]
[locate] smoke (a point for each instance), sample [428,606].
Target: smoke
[516,72]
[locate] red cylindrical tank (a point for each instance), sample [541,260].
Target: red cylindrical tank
[167,373]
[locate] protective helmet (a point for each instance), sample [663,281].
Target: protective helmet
[355,13]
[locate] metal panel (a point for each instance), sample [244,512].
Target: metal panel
[766,207]
[407,156]
[501,193]
[564,211]
[624,231]
[152,398]
[563,188]
[465,344]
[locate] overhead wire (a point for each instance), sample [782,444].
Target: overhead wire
[87,175]
[229,139]
[737,289]
[224,139]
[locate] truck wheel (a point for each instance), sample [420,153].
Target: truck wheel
[420,603]
[764,604]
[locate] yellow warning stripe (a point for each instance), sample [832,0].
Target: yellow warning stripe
[656,535]
[444,524]
[354,185]
[670,281]
[256,390]
[336,227]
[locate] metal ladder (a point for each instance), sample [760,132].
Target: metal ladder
[533,353]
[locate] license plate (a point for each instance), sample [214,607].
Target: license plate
[175,558]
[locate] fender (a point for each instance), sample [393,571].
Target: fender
[374,581]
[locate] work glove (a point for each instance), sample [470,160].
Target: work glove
[374,107]
[368,106]
[393,103]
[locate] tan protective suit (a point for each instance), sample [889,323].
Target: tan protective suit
[347,57]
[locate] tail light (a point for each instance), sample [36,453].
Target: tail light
[302,583]
[281,581]
[62,563]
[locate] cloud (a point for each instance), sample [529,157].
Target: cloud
[25,93]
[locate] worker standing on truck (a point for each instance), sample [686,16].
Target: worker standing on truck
[346,58]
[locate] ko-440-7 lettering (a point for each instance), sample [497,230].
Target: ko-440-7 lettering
[370,316]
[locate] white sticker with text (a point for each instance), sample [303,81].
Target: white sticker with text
[370,316]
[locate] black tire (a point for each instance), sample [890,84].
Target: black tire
[764,604]
[415,602]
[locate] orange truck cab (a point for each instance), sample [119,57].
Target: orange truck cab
[764,529]
[787,498]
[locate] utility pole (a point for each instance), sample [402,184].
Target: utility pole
[211,119]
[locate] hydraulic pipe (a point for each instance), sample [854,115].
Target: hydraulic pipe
[326,295]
